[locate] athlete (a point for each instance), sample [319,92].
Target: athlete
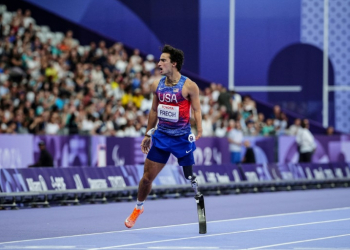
[174,95]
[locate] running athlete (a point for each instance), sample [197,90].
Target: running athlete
[174,95]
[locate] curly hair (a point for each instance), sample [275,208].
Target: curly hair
[176,55]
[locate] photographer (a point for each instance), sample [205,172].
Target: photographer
[45,159]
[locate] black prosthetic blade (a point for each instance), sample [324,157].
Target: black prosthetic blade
[201,214]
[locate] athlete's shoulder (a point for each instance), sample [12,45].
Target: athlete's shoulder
[189,82]
[190,85]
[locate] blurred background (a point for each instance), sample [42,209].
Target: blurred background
[76,75]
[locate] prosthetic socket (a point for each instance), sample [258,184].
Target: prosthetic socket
[194,184]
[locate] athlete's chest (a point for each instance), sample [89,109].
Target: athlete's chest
[173,95]
[168,96]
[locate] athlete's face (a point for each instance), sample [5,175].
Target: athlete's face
[165,65]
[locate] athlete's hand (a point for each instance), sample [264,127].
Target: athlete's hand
[146,145]
[199,134]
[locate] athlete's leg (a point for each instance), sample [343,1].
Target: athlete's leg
[156,160]
[154,163]
[151,170]
[188,172]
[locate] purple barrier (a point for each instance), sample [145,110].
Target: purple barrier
[341,170]
[124,151]
[98,151]
[287,171]
[67,151]
[264,148]
[43,179]
[256,172]
[212,151]
[218,174]
[329,149]
[294,171]
[16,151]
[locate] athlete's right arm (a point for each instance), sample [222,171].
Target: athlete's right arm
[152,119]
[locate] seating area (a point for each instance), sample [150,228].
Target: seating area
[51,84]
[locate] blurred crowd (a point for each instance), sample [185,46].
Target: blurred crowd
[50,84]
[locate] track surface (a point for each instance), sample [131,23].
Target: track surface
[317,219]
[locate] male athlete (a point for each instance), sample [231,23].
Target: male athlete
[174,94]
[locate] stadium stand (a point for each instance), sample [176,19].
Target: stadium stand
[51,84]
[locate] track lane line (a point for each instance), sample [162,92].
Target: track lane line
[212,235]
[300,241]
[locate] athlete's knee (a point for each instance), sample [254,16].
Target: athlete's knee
[188,172]
[146,180]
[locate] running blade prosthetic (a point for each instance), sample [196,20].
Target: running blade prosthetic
[201,213]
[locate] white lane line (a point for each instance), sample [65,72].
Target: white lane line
[220,234]
[177,248]
[299,241]
[179,225]
[43,247]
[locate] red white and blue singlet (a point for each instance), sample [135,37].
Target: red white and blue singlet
[174,111]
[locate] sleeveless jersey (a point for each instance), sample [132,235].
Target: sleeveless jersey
[174,110]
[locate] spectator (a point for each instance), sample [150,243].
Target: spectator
[281,124]
[146,103]
[37,126]
[330,130]
[205,101]
[216,90]
[236,103]
[149,65]
[249,111]
[53,126]
[276,113]
[260,123]
[249,156]
[221,131]
[45,158]
[251,129]
[306,142]
[68,40]
[235,138]
[207,125]
[72,123]
[27,19]
[268,129]
[224,99]
[135,64]
[242,122]
[87,124]
[127,97]
[137,98]
[97,75]
[293,129]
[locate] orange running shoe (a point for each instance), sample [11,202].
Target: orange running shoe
[130,221]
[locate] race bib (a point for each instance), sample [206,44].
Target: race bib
[168,113]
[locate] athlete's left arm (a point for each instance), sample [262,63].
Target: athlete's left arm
[193,92]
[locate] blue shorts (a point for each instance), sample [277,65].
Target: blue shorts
[181,147]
